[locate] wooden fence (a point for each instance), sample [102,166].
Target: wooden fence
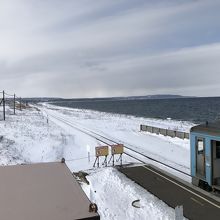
[165,132]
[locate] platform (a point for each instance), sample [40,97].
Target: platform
[196,205]
[46,191]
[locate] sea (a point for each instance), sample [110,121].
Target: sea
[196,110]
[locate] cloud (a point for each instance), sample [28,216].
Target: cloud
[109,48]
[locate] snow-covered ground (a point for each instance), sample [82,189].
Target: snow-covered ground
[108,186]
[126,129]
[38,135]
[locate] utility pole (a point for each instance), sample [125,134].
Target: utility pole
[20,103]
[3,105]
[14,104]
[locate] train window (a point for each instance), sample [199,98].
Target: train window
[200,145]
[217,149]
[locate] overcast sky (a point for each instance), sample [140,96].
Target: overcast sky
[101,48]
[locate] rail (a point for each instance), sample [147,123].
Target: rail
[109,142]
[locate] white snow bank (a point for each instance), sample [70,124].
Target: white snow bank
[126,129]
[28,138]
[114,194]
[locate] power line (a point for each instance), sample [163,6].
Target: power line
[10,100]
[9,94]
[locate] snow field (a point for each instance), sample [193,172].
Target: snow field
[30,139]
[125,129]
[32,136]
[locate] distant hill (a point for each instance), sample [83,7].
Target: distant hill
[48,99]
[167,96]
[147,97]
[41,99]
[128,98]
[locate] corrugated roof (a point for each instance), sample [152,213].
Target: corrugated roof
[42,192]
[208,128]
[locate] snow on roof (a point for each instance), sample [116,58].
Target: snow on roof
[212,128]
[42,191]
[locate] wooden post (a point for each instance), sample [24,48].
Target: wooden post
[20,103]
[3,105]
[14,104]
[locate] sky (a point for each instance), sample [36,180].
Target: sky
[106,48]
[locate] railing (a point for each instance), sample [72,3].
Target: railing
[165,132]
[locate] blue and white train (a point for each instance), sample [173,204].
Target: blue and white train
[205,156]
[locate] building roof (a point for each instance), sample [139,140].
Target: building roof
[208,128]
[42,191]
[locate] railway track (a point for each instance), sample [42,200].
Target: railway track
[129,150]
[171,190]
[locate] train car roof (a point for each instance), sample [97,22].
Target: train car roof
[46,191]
[208,128]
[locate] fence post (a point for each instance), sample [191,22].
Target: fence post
[3,100]
[14,104]
[20,103]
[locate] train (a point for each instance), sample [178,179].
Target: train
[205,155]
